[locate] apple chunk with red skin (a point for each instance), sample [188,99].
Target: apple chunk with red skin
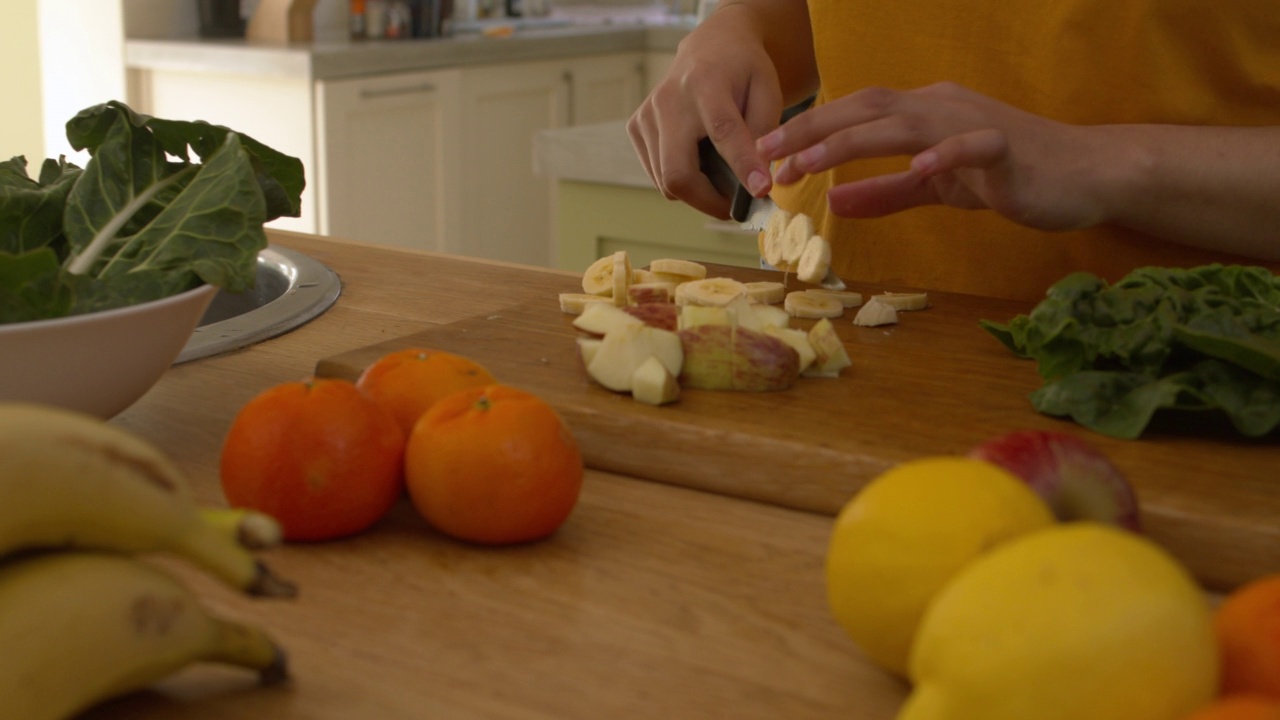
[727,357]
[663,316]
[1072,476]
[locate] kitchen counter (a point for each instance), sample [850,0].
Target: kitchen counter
[334,60]
[596,153]
[651,601]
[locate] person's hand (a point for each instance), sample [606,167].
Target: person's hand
[967,150]
[722,85]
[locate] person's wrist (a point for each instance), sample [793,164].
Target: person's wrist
[1124,167]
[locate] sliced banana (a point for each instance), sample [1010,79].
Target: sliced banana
[766,292]
[903,301]
[875,313]
[575,303]
[804,304]
[673,278]
[772,239]
[621,277]
[687,268]
[814,261]
[640,275]
[848,298]
[794,238]
[714,292]
[598,278]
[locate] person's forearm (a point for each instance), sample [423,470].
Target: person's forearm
[783,28]
[1209,187]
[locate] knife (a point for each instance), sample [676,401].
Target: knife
[752,212]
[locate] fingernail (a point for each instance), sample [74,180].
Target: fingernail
[925,163]
[758,183]
[770,142]
[812,156]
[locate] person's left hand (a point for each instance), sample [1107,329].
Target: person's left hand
[967,151]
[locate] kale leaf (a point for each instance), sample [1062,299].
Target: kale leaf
[1111,356]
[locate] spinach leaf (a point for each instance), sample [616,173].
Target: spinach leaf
[1111,356]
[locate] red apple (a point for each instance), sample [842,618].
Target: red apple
[660,315]
[1074,478]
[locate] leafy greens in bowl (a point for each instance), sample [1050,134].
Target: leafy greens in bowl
[1111,356]
[142,220]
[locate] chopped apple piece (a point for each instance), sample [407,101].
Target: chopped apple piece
[726,357]
[651,292]
[743,314]
[653,384]
[660,315]
[624,348]
[695,315]
[830,355]
[587,348]
[773,315]
[599,318]
[798,340]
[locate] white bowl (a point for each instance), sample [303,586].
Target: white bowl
[101,362]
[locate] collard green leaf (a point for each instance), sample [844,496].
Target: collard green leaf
[31,210]
[160,207]
[1160,338]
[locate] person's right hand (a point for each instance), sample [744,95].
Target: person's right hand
[722,85]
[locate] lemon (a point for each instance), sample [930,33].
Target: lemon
[908,532]
[1082,620]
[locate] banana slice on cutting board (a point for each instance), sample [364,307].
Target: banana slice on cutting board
[875,314]
[598,278]
[903,301]
[848,298]
[684,268]
[713,292]
[575,303]
[766,292]
[804,304]
[621,277]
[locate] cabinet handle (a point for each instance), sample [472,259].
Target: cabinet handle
[569,85]
[369,94]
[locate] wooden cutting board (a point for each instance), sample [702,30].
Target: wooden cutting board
[935,383]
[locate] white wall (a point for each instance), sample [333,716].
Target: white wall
[82,63]
[21,124]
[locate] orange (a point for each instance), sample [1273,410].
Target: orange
[318,455]
[408,382]
[1247,624]
[493,465]
[1239,707]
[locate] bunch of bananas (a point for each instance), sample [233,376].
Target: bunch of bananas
[83,620]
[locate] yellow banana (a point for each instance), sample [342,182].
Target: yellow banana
[78,628]
[69,480]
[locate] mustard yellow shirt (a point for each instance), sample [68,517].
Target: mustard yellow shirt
[1077,61]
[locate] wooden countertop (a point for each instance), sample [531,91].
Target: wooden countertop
[651,601]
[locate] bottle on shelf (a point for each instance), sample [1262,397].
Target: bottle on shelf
[356,20]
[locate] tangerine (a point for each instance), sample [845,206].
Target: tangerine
[1239,707]
[493,465]
[318,455]
[1247,624]
[408,382]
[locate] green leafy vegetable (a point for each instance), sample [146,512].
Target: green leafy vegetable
[142,220]
[1111,356]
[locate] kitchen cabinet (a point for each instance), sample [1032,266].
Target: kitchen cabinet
[507,209]
[387,161]
[597,219]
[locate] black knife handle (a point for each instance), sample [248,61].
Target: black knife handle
[721,175]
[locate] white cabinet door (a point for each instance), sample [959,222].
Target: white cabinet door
[604,88]
[506,208]
[387,158]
